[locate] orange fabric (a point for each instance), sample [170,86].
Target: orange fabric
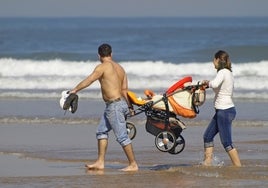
[179,84]
[149,93]
[178,109]
[134,99]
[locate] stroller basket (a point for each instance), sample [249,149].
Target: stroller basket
[157,122]
[155,126]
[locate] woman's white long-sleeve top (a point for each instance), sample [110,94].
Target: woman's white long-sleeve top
[223,86]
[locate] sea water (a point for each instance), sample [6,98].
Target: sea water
[39,57]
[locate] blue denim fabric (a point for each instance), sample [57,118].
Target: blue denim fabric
[221,123]
[114,119]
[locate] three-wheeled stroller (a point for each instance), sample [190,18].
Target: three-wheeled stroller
[162,111]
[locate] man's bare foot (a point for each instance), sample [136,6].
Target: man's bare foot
[131,168]
[95,166]
[94,172]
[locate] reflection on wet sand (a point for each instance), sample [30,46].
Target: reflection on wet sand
[45,155]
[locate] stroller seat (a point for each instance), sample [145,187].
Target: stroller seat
[136,100]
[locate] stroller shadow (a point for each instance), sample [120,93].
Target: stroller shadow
[168,166]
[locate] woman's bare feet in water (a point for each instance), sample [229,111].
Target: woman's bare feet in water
[95,166]
[131,168]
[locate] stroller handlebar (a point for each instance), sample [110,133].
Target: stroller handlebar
[197,86]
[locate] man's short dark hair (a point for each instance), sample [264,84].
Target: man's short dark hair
[105,50]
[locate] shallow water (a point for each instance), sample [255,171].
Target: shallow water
[45,155]
[178,177]
[42,147]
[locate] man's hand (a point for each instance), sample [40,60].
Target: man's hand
[131,111]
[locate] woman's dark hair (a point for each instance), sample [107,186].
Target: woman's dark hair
[105,50]
[224,60]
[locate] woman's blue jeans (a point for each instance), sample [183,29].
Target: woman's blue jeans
[221,123]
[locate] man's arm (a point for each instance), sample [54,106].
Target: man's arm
[124,93]
[95,75]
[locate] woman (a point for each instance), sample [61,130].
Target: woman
[225,111]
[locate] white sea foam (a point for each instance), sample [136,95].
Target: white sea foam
[17,75]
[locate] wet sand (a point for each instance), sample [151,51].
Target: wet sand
[51,151]
[54,156]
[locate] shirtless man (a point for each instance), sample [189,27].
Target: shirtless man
[114,86]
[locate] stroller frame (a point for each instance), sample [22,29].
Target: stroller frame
[163,124]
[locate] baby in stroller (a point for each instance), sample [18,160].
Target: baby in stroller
[162,111]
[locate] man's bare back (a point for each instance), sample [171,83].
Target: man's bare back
[111,76]
[111,80]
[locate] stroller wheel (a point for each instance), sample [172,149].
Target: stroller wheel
[165,141]
[179,145]
[131,130]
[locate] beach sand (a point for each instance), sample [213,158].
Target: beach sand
[40,147]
